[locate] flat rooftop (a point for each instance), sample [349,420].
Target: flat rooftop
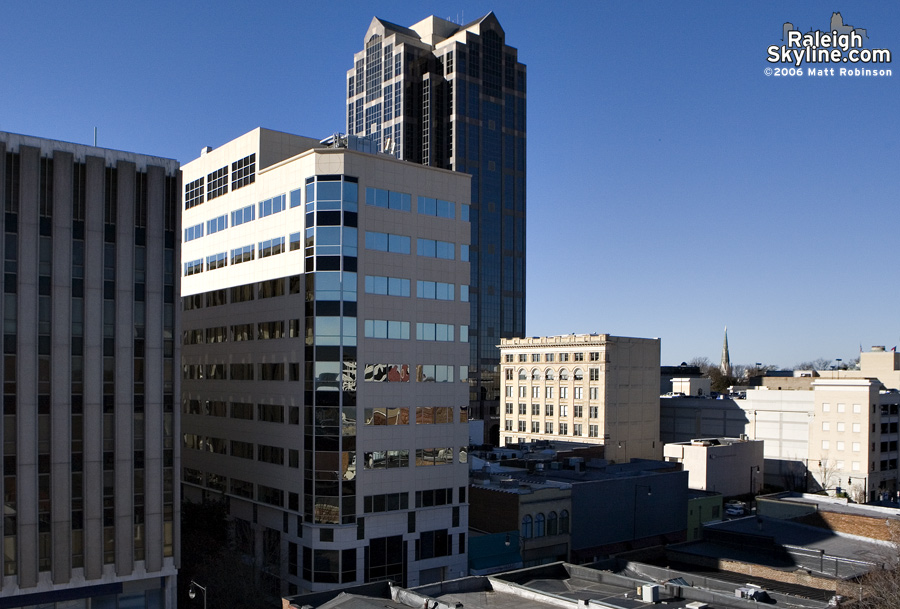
[611,583]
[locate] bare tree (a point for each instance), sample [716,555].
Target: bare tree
[880,589]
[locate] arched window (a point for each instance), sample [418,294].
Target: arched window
[564,375]
[526,527]
[579,374]
[552,524]
[564,522]
[522,376]
[535,375]
[539,525]
[550,375]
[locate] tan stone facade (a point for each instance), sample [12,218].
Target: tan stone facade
[594,388]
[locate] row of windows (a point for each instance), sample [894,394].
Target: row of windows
[239,488]
[243,450]
[428,206]
[577,428]
[425,415]
[240,332]
[401,244]
[269,413]
[550,375]
[423,457]
[425,373]
[549,409]
[593,356]
[841,426]
[577,392]
[431,290]
[539,526]
[242,372]
[269,288]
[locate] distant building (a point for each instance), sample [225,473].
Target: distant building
[594,388]
[730,466]
[841,432]
[91,450]
[596,507]
[703,507]
[306,264]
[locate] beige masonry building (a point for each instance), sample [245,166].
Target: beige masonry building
[305,264]
[593,388]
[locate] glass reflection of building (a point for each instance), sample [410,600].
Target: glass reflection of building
[326,358]
[453,96]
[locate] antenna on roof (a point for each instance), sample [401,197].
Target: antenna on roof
[95,137]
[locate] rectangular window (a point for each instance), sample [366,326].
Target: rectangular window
[217,183]
[380,328]
[193,193]
[523,426]
[535,410]
[563,393]
[216,224]
[431,248]
[378,197]
[193,232]
[593,431]
[595,374]
[548,393]
[576,429]
[429,206]
[193,267]
[271,206]
[523,409]
[271,247]
[563,357]
[548,427]
[579,357]
[386,286]
[216,261]
[535,392]
[593,412]
[578,391]
[535,427]
[509,408]
[549,409]
[242,254]
[243,172]
[386,242]
[435,332]
[294,239]
[595,356]
[563,429]
[243,215]
[435,290]
[578,411]
[594,392]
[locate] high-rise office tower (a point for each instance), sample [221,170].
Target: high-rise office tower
[304,265]
[453,96]
[90,503]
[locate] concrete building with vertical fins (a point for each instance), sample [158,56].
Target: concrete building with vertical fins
[453,96]
[91,507]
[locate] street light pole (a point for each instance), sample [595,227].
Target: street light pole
[753,469]
[192,592]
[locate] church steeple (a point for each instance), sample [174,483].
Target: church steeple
[725,366]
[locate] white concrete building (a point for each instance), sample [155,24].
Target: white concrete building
[304,265]
[593,388]
[730,466]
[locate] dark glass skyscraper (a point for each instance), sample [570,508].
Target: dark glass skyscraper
[453,96]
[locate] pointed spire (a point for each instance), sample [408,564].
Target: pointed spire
[725,366]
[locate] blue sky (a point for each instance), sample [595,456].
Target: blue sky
[673,187]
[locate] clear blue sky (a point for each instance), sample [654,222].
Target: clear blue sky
[673,187]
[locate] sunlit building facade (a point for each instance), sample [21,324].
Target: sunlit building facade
[591,388]
[325,326]
[453,96]
[90,500]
